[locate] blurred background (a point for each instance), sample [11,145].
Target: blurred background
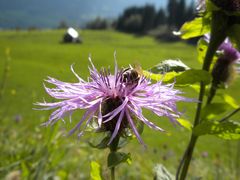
[43,38]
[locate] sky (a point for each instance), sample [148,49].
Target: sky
[48,13]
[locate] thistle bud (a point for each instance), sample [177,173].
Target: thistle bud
[224,69]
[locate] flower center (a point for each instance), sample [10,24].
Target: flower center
[108,106]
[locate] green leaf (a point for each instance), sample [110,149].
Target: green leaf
[193,76]
[230,101]
[185,123]
[166,70]
[234,34]
[210,6]
[25,171]
[197,27]
[226,130]
[201,49]
[212,110]
[62,174]
[95,171]
[169,66]
[102,144]
[161,77]
[140,127]
[116,158]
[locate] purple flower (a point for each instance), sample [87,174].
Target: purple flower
[229,53]
[226,50]
[224,70]
[115,101]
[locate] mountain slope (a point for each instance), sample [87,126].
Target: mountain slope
[48,13]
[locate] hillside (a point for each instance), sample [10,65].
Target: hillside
[45,13]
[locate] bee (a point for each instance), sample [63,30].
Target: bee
[132,75]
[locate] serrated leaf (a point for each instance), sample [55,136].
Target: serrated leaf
[226,130]
[95,171]
[197,27]
[169,66]
[195,87]
[161,77]
[116,158]
[193,76]
[185,123]
[166,70]
[230,101]
[212,110]
[102,144]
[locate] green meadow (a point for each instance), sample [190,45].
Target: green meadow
[32,151]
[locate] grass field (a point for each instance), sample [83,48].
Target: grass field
[43,153]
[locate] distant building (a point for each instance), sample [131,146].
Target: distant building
[71,36]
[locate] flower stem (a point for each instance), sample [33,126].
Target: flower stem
[230,115]
[113,173]
[218,34]
[113,148]
[193,140]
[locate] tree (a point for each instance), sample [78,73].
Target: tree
[137,19]
[148,18]
[178,13]
[190,12]
[172,12]
[97,23]
[160,18]
[181,13]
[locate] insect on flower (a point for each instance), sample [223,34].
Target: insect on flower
[115,101]
[131,75]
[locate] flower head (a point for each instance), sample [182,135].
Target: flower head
[229,53]
[115,101]
[224,69]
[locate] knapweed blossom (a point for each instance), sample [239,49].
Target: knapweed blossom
[115,101]
[224,68]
